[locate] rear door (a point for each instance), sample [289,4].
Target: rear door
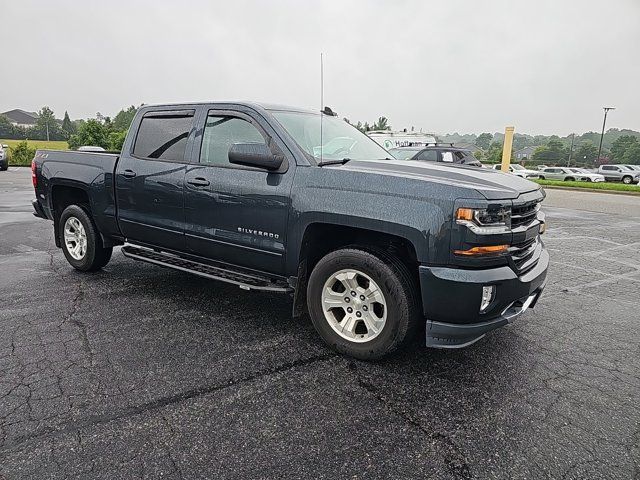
[429,155]
[233,213]
[552,173]
[150,179]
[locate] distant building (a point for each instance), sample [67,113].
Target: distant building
[389,139]
[21,118]
[526,152]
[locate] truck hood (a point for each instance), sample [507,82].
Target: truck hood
[492,184]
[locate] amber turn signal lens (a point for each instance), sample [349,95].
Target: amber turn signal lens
[486,250]
[464,214]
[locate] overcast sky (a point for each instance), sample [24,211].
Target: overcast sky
[545,66]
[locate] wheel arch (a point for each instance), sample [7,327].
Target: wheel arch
[319,238]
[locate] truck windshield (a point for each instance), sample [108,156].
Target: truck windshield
[340,140]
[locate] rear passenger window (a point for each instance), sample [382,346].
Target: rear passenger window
[428,155]
[163,135]
[447,157]
[220,132]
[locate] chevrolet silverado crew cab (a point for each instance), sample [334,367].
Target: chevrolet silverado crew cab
[286,200]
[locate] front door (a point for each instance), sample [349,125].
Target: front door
[150,180]
[236,214]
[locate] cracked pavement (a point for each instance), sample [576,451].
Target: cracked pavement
[143,372]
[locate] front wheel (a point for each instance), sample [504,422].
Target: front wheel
[569,179]
[363,302]
[81,242]
[627,180]
[541,177]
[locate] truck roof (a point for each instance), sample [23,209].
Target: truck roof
[254,105]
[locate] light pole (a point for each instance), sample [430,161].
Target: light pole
[573,136]
[604,122]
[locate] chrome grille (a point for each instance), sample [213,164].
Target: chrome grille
[524,214]
[523,255]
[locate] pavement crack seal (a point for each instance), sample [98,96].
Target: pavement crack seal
[157,404]
[72,319]
[454,457]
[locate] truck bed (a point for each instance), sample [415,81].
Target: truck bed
[92,172]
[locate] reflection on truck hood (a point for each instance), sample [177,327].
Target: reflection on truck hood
[490,183]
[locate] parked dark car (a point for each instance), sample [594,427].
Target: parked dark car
[436,152]
[263,198]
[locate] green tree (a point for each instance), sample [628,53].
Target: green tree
[632,154]
[91,132]
[46,128]
[553,152]
[9,130]
[494,153]
[586,154]
[116,140]
[621,145]
[381,124]
[67,125]
[123,119]
[484,140]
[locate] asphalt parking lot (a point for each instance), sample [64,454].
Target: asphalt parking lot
[138,371]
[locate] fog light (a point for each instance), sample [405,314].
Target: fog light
[487,296]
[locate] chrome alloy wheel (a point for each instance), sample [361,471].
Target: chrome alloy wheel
[75,238]
[354,306]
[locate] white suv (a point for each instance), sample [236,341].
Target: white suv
[519,170]
[4,157]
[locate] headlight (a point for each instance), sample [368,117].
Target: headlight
[485,221]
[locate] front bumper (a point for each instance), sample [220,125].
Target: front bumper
[451,300]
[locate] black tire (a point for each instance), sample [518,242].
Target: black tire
[541,177]
[569,179]
[96,255]
[627,180]
[397,286]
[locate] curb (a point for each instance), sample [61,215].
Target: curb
[593,190]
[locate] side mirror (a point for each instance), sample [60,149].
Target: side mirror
[254,155]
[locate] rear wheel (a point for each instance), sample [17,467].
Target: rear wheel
[81,242]
[569,179]
[362,302]
[541,177]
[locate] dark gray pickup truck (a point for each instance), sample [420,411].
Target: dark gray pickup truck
[288,200]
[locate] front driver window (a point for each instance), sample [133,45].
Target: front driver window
[220,132]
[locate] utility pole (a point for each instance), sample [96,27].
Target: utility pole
[573,136]
[604,122]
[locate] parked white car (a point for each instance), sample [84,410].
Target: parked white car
[4,157]
[519,171]
[587,176]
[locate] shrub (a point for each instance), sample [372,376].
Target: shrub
[22,154]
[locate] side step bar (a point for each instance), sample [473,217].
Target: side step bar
[245,280]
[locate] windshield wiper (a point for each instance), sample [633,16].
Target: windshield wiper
[334,162]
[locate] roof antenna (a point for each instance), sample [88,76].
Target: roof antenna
[321,103]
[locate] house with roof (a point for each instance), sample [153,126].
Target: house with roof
[525,153]
[21,118]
